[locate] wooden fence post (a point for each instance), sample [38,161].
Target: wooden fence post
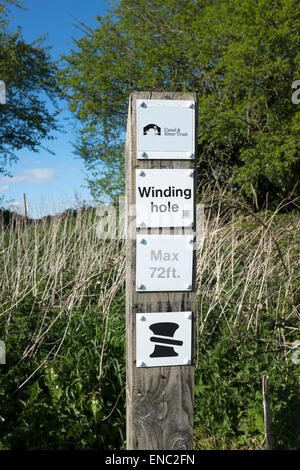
[267,412]
[159,399]
[25,206]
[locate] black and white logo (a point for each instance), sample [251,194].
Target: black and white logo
[167,330]
[163,339]
[149,127]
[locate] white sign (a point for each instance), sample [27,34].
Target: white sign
[163,339]
[165,129]
[2,92]
[164,262]
[2,353]
[164,198]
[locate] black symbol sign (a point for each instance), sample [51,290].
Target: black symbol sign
[152,126]
[164,329]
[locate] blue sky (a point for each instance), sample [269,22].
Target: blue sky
[51,182]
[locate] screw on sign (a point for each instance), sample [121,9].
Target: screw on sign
[163,338]
[165,198]
[164,262]
[165,129]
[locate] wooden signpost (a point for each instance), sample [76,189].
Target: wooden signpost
[160,269]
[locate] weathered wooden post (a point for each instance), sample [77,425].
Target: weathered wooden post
[161,268]
[25,206]
[267,411]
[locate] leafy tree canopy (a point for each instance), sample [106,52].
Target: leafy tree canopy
[29,77]
[240,57]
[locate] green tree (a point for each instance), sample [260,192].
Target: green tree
[240,57]
[29,76]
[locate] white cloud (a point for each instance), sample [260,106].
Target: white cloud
[5,187]
[16,205]
[36,175]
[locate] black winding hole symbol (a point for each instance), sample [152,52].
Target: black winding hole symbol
[152,126]
[164,329]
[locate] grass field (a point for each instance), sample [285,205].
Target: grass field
[62,318]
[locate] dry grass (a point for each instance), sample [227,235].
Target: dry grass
[57,270]
[246,266]
[61,265]
[249,268]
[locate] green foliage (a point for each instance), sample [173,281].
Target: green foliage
[240,57]
[246,334]
[251,127]
[62,316]
[29,76]
[63,383]
[228,396]
[65,406]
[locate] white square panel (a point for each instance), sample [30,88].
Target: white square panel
[164,262]
[163,339]
[164,198]
[165,129]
